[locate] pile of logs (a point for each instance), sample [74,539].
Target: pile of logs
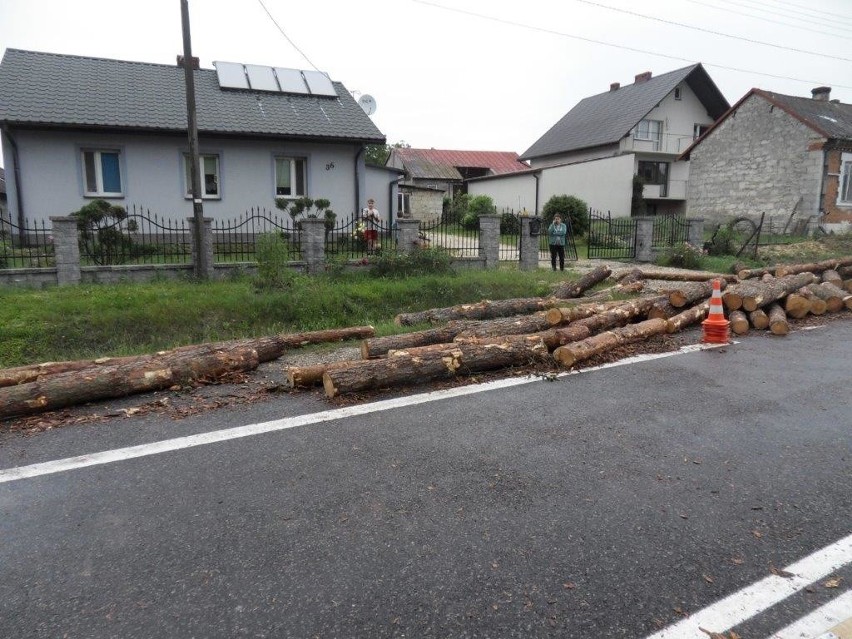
[563,330]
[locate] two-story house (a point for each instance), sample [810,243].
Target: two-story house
[594,151]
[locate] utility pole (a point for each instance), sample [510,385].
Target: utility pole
[200,265]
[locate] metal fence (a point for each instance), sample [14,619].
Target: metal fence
[453,237]
[510,236]
[30,246]
[611,238]
[353,238]
[570,246]
[670,230]
[136,238]
[236,240]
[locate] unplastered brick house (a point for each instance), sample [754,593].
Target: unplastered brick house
[594,151]
[432,174]
[76,128]
[776,154]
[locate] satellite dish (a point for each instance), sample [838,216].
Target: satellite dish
[368,103]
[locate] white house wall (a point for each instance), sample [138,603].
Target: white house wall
[581,155]
[381,185]
[513,192]
[153,173]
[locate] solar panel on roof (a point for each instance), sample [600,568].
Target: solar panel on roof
[261,78]
[319,84]
[291,80]
[231,75]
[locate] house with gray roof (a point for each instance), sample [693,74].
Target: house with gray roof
[76,128]
[594,151]
[776,154]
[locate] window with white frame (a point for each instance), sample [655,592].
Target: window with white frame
[290,177]
[649,130]
[844,193]
[209,165]
[403,204]
[102,173]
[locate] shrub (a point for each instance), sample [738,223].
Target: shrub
[424,261]
[722,242]
[478,205]
[683,255]
[570,208]
[273,257]
[510,224]
[457,209]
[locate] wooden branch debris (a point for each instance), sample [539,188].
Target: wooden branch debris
[587,281]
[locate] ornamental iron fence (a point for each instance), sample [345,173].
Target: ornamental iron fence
[235,240]
[27,246]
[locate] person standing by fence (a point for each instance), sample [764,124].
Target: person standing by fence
[371,219]
[556,235]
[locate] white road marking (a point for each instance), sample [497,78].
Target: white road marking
[820,621]
[201,439]
[762,595]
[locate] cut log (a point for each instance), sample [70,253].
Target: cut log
[797,306]
[818,305]
[832,277]
[305,376]
[628,277]
[401,370]
[813,267]
[778,323]
[836,292]
[847,286]
[519,325]
[486,309]
[845,271]
[759,319]
[833,300]
[575,289]
[572,354]
[748,273]
[687,276]
[762,294]
[268,348]
[739,322]
[662,310]
[563,315]
[106,382]
[767,277]
[688,317]
[379,346]
[691,292]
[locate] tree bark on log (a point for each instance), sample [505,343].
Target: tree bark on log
[379,346]
[847,286]
[692,292]
[759,319]
[739,322]
[564,315]
[748,273]
[571,354]
[797,306]
[762,294]
[832,277]
[404,369]
[688,317]
[662,310]
[106,382]
[520,325]
[268,348]
[845,298]
[628,277]
[305,376]
[818,305]
[778,324]
[813,267]
[486,309]
[575,289]
[687,276]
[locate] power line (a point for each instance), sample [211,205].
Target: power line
[820,23]
[718,33]
[809,13]
[751,15]
[793,4]
[293,44]
[619,46]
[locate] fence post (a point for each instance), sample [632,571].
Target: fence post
[207,246]
[489,240]
[66,250]
[409,233]
[695,232]
[312,239]
[529,245]
[644,239]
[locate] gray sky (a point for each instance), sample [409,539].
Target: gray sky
[473,74]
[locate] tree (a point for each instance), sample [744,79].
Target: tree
[478,205]
[570,208]
[102,227]
[378,154]
[637,200]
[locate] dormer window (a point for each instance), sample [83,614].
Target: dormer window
[677,95]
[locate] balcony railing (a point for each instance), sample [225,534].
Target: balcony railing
[674,190]
[669,143]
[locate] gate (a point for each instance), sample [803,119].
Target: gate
[670,230]
[452,237]
[611,238]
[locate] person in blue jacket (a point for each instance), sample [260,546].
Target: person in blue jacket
[556,234]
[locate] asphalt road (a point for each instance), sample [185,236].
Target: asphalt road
[611,503]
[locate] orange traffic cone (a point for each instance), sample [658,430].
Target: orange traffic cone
[716,327]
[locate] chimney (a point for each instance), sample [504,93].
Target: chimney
[195,62]
[614,86]
[821,93]
[643,77]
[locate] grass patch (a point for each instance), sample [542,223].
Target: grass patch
[91,321]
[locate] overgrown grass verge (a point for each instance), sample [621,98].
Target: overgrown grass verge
[110,320]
